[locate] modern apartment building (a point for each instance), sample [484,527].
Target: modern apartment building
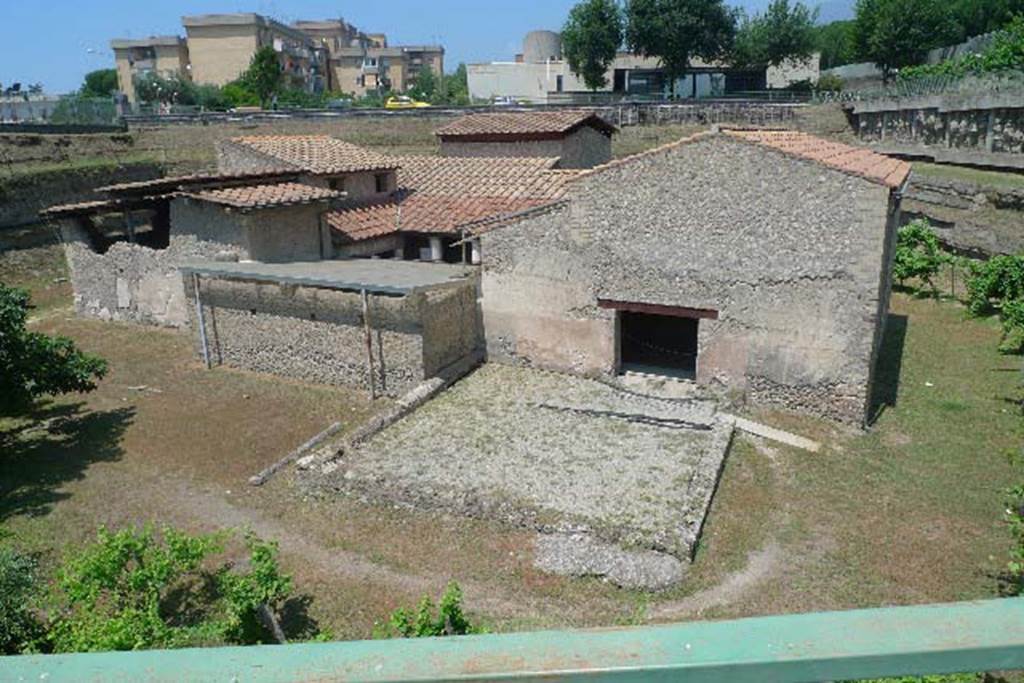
[161,55]
[314,55]
[220,47]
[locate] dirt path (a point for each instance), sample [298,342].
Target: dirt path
[761,565]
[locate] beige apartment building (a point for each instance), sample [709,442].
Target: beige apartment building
[162,55]
[315,55]
[220,47]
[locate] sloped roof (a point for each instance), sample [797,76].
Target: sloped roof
[445,194]
[265,196]
[316,154]
[522,125]
[857,161]
[184,182]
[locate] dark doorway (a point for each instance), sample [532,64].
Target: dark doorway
[659,344]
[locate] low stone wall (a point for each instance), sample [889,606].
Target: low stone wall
[318,335]
[989,123]
[968,218]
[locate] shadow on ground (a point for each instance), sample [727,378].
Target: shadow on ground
[885,388]
[51,447]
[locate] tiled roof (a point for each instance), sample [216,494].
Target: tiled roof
[265,196]
[857,161]
[186,181]
[446,194]
[516,125]
[317,154]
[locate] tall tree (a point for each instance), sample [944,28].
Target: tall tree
[783,32]
[898,33]
[835,43]
[99,83]
[34,365]
[975,17]
[591,38]
[426,86]
[676,31]
[264,75]
[456,85]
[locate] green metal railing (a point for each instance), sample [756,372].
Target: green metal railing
[932,639]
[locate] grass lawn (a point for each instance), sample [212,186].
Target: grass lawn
[907,513]
[1006,181]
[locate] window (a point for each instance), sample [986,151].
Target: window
[337,184]
[381,180]
[559,83]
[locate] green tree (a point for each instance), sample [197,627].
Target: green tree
[264,75]
[919,255]
[99,83]
[591,38]
[153,88]
[898,33]
[18,625]
[835,43]
[676,31]
[783,32]
[975,17]
[33,364]
[426,86]
[456,86]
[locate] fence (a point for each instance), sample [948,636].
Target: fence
[932,639]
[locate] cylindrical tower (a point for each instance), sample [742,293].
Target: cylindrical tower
[540,46]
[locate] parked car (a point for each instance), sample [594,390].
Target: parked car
[339,103]
[404,102]
[505,101]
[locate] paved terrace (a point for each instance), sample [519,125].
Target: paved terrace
[559,453]
[378,276]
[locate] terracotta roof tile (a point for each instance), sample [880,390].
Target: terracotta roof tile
[445,194]
[513,125]
[184,181]
[856,161]
[265,196]
[317,154]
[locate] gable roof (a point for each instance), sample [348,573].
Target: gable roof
[264,196]
[527,125]
[446,194]
[856,161]
[315,154]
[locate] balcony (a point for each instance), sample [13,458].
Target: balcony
[900,641]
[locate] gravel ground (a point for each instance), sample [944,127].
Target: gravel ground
[551,451]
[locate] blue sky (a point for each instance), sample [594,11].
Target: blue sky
[58,41]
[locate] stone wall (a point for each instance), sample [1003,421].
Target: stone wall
[793,257]
[584,148]
[318,335]
[987,123]
[975,220]
[24,194]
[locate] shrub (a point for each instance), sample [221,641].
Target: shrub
[918,254]
[993,282]
[18,625]
[132,590]
[830,83]
[427,621]
[33,364]
[1006,53]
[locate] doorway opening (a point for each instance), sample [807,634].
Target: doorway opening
[658,344]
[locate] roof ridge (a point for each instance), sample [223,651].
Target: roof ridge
[615,163]
[860,162]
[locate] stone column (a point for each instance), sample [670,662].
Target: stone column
[474,254]
[399,248]
[436,249]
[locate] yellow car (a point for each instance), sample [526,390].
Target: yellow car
[404,102]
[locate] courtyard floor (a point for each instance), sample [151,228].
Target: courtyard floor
[552,452]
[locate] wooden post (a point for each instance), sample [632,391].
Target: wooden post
[202,321]
[369,345]
[129,225]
